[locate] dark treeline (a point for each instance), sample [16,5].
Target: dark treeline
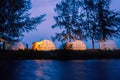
[86,19]
[59,54]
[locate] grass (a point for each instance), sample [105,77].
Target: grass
[59,54]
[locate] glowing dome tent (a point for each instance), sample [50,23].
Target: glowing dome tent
[108,45]
[35,45]
[75,45]
[44,45]
[1,40]
[14,46]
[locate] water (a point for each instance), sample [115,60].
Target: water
[60,70]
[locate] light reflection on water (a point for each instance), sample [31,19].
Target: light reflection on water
[60,70]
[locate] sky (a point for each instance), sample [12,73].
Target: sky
[44,30]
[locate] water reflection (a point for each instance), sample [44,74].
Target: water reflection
[42,70]
[60,70]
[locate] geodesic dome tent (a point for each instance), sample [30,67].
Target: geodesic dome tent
[108,45]
[75,45]
[14,46]
[1,40]
[35,45]
[43,45]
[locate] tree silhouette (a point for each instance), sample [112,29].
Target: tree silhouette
[100,22]
[88,9]
[15,19]
[67,19]
[108,20]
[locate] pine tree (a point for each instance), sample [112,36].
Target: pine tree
[108,20]
[100,22]
[15,19]
[88,9]
[67,19]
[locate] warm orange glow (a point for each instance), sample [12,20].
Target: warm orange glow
[1,40]
[44,45]
[75,45]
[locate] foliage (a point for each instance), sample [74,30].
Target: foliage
[68,19]
[100,22]
[108,20]
[62,46]
[15,19]
[88,9]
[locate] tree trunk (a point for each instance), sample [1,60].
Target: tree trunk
[3,45]
[93,44]
[0,46]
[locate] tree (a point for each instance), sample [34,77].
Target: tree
[108,20]
[15,19]
[100,22]
[88,9]
[67,19]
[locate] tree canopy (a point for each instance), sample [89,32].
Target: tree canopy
[68,20]
[108,20]
[100,21]
[15,19]
[86,19]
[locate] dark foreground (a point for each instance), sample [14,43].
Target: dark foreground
[60,54]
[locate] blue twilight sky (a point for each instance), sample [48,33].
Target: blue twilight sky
[44,30]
